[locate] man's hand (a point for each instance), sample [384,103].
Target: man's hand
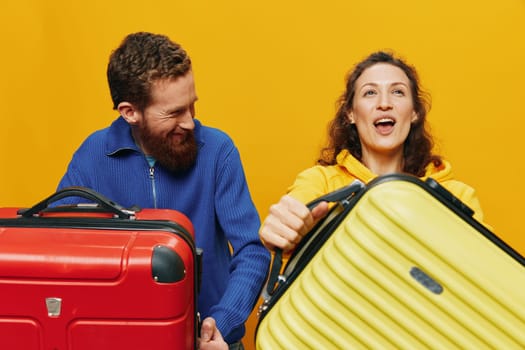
[211,338]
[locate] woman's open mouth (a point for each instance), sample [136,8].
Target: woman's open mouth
[385,125]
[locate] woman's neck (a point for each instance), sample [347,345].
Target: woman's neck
[382,164]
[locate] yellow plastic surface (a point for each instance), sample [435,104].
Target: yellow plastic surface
[358,293]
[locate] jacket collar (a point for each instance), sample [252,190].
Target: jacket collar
[119,138]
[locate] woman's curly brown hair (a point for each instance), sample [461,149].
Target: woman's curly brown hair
[141,59]
[343,135]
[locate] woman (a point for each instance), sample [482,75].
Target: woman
[379,128]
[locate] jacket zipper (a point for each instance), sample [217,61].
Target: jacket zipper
[154,190]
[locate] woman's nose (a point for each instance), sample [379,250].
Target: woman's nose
[384,102]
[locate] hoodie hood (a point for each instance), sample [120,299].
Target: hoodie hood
[319,180]
[358,170]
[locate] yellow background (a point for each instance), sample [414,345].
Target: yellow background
[268,73]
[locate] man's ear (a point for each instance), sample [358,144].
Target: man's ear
[129,113]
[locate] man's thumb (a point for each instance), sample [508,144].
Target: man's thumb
[206,330]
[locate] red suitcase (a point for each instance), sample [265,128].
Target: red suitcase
[97,276]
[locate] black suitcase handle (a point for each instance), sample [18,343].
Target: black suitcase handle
[339,195]
[77,191]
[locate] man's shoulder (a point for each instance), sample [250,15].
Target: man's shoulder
[96,137]
[105,140]
[209,134]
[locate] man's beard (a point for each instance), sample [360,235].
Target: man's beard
[177,156]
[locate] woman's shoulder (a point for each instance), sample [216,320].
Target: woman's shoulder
[318,180]
[466,193]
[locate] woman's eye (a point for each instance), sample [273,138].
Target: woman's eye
[398,92]
[369,93]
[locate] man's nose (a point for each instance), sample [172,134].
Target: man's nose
[186,122]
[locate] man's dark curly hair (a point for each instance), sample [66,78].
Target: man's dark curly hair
[343,135]
[140,60]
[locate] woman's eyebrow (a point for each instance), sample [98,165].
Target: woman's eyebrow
[376,84]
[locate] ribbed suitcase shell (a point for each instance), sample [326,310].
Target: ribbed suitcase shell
[402,271]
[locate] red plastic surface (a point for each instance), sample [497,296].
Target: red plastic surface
[109,299]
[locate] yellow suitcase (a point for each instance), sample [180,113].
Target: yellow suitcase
[397,264]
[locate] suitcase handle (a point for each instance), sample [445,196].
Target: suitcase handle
[77,191]
[448,196]
[340,195]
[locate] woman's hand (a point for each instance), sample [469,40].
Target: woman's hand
[288,221]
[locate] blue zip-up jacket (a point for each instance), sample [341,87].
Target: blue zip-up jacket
[213,194]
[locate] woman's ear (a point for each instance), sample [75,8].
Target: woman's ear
[128,112]
[350,116]
[414,117]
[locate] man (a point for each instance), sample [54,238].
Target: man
[157,155]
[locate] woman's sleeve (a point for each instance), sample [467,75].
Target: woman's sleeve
[467,195]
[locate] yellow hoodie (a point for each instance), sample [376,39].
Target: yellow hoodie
[319,180]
